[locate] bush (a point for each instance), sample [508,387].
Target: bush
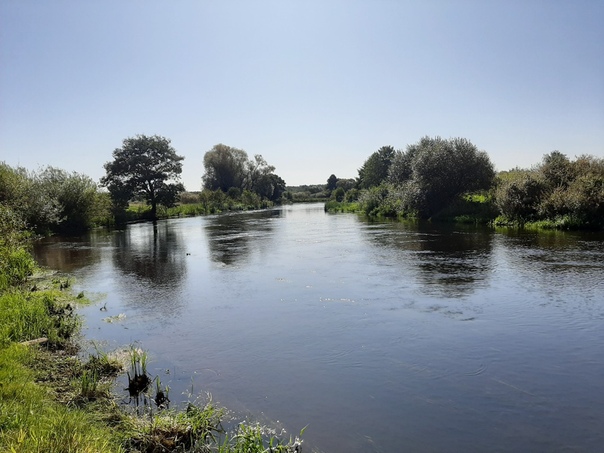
[338,194]
[433,173]
[518,199]
[16,264]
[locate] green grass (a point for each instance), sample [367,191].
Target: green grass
[31,420]
[342,206]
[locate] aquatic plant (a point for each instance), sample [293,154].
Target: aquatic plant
[162,401]
[139,380]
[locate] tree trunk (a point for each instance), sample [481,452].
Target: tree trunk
[153,209]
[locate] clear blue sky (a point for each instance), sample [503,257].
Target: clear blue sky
[315,86]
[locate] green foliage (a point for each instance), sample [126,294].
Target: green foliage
[375,169]
[16,264]
[557,170]
[332,182]
[352,195]
[434,173]
[382,200]
[228,169]
[75,196]
[477,208]
[255,439]
[559,193]
[337,206]
[518,198]
[146,167]
[52,200]
[338,194]
[225,167]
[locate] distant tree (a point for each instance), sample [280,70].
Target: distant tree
[401,168]
[257,172]
[557,170]
[346,184]
[332,182]
[225,167]
[375,169]
[434,172]
[338,194]
[146,167]
[271,187]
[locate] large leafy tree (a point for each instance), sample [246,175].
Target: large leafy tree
[258,172]
[228,168]
[375,169]
[146,167]
[225,167]
[433,173]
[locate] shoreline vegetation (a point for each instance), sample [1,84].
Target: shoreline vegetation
[54,399]
[434,179]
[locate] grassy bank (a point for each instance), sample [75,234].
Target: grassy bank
[54,400]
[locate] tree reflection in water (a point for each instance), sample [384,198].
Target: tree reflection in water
[233,237]
[449,261]
[153,254]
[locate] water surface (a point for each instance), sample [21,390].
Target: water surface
[381,336]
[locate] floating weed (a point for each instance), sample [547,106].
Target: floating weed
[116,318]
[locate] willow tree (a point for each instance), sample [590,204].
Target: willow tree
[434,172]
[146,167]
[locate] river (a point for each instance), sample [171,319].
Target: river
[380,336]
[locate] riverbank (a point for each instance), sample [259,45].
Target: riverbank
[53,399]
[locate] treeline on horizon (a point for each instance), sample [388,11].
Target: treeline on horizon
[434,179]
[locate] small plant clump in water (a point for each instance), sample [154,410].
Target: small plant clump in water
[161,395]
[139,381]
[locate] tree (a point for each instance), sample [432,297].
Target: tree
[74,194]
[257,172]
[332,182]
[557,170]
[270,187]
[375,169]
[434,172]
[518,197]
[146,167]
[50,199]
[225,167]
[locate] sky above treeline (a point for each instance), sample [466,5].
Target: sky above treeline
[314,86]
